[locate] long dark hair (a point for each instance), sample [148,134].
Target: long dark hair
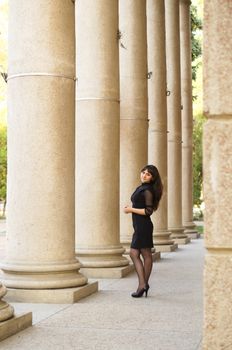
[156,184]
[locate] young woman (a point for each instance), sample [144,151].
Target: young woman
[145,200]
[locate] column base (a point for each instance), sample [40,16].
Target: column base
[102,258]
[182,240]
[166,247]
[107,272]
[15,325]
[194,234]
[162,237]
[191,231]
[126,245]
[156,256]
[42,276]
[179,236]
[51,296]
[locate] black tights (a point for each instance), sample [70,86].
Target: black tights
[143,268]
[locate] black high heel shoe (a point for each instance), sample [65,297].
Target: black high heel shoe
[139,293]
[147,288]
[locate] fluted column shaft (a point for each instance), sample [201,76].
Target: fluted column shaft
[217,165]
[174,119]
[97,135]
[157,139]
[40,249]
[187,118]
[133,104]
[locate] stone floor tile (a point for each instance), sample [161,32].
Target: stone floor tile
[100,339]
[39,311]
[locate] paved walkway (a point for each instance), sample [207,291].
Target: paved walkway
[169,319]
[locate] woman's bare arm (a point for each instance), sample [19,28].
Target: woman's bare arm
[130,210]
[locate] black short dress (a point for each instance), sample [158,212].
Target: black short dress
[142,198]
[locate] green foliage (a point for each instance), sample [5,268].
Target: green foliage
[200,229]
[196,36]
[197,159]
[196,26]
[3,162]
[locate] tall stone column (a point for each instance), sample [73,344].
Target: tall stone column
[157,139]
[217,174]
[133,104]
[174,122]
[187,120]
[40,250]
[97,140]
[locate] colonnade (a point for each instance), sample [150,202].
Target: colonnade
[124,80]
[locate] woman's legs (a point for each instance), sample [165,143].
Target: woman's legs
[147,257]
[138,264]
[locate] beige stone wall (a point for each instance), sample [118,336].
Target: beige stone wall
[217,57]
[218,175]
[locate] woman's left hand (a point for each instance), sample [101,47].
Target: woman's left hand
[127,210]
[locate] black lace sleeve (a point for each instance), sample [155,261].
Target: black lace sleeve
[148,202]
